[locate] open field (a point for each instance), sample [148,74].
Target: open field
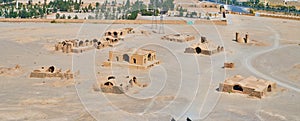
[183,85]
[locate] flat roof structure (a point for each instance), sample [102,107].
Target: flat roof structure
[138,58]
[250,86]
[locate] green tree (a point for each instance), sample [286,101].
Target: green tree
[76,17]
[90,7]
[57,16]
[97,4]
[127,4]
[63,16]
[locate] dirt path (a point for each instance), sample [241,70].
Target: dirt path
[248,64]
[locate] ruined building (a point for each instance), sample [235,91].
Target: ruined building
[120,85]
[10,71]
[137,58]
[228,65]
[179,37]
[51,72]
[118,33]
[110,38]
[239,39]
[250,86]
[79,46]
[204,47]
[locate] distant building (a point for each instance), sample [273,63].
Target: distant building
[110,38]
[138,58]
[250,86]
[204,47]
[51,72]
[119,85]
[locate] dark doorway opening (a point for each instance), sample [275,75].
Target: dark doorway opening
[111,77]
[81,43]
[149,57]
[115,34]
[198,50]
[134,61]
[109,33]
[269,88]
[51,69]
[108,84]
[126,57]
[237,87]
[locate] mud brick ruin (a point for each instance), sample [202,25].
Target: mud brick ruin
[16,70]
[250,86]
[179,37]
[228,65]
[137,58]
[51,72]
[118,33]
[76,46]
[240,39]
[119,86]
[204,47]
[110,38]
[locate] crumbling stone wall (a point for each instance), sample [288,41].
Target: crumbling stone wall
[51,72]
[178,37]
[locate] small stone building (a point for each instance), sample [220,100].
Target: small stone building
[204,47]
[120,85]
[250,86]
[51,72]
[240,39]
[228,65]
[138,58]
[179,37]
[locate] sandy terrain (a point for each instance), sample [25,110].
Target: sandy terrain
[183,85]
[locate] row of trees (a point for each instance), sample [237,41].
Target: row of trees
[58,16]
[107,10]
[24,11]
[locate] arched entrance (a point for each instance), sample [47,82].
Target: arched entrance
[126,57]
[108,84]
[198,50]
[109,33]
[111,77]
[269,88]
[134,60]
[149,57]
[115,34]
[81,43]
[51,69]
[237,87]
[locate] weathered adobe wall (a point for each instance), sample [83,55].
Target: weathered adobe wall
[112,89]
[139,59]
[50,75]
[248,91]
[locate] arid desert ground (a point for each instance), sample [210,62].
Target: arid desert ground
[182,85]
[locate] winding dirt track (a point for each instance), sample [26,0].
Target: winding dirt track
[248,64]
